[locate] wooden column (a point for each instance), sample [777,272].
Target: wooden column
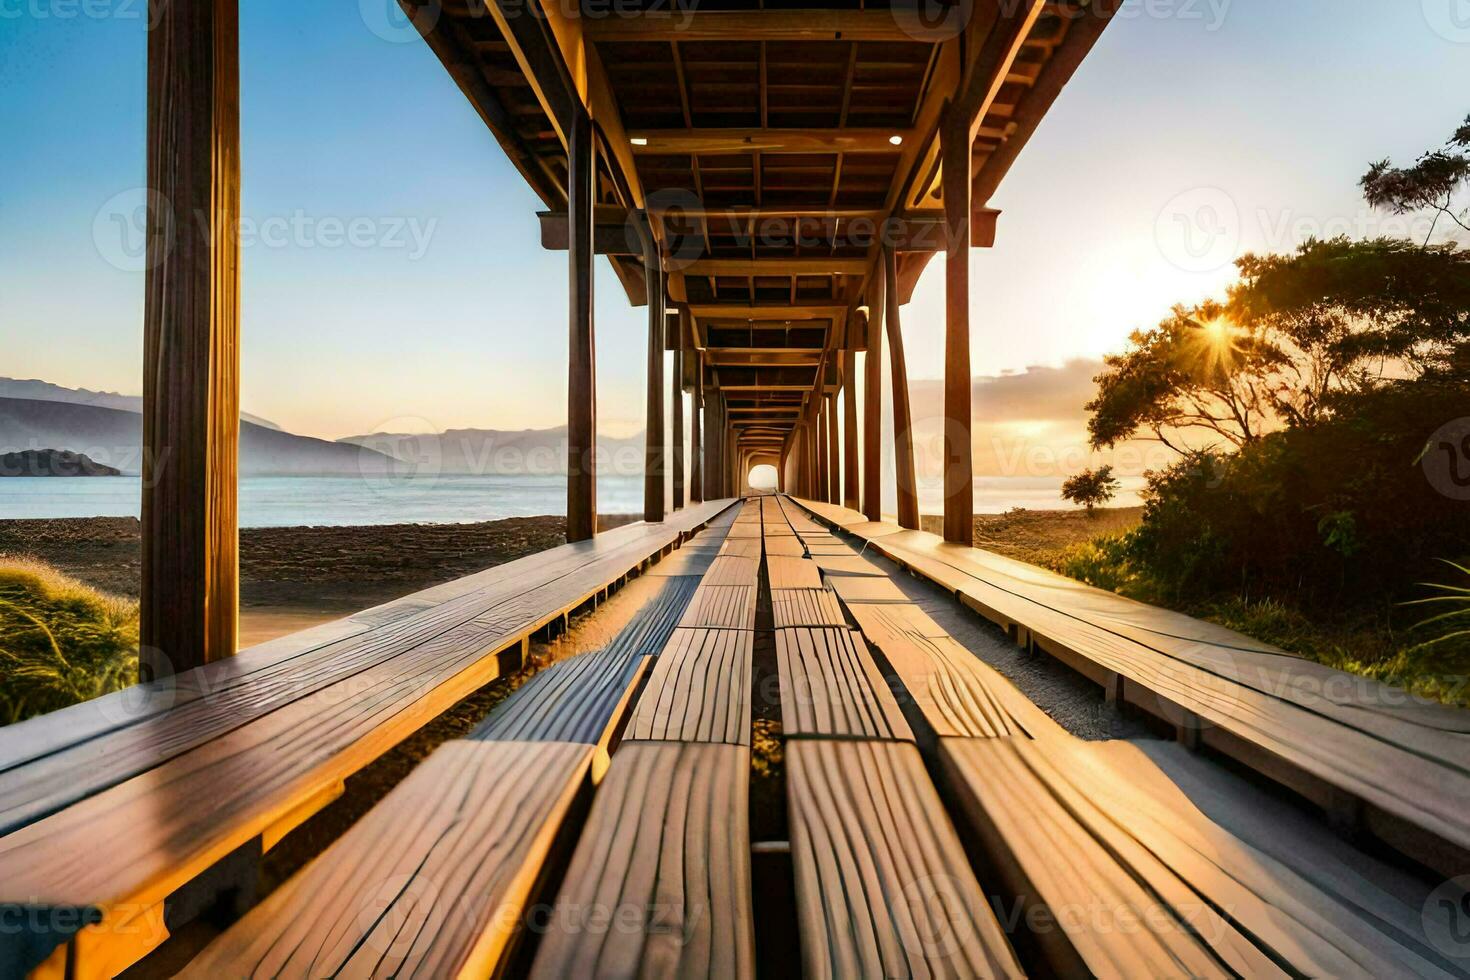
[655,443]
[696,431]
[714,433]
[834,453]
[850,492]
[903,420]
[819,435]
[873,407]
[581,350]
[959,491]
[677,420]
[191,339]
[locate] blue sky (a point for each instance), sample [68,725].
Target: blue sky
[1248,120]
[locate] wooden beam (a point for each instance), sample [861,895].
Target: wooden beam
[850,491]
[540,59]
[986,74]
[696,431]
[1082,34]
[713,141]
[873,406]
[655,444]
[684,25]
[736,311]
[191,339]
[581,345]
[959,480]
[903,421]
[676,390]
[805,265]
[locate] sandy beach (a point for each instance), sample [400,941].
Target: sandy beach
[295,577]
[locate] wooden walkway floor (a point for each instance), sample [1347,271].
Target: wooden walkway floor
[598,823]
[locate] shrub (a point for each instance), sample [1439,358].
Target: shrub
[1090,488]
[61,642]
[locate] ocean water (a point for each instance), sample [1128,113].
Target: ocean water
[347,501]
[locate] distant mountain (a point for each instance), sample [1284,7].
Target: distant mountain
[535,452]
[114,437]
[52,462]
[45,391]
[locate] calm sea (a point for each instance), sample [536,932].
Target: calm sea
[350,501]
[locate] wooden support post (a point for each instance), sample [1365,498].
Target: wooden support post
[850,493]
[655,440]
[715,432]
[677,407]
[581,348]
[820,436]
[873,407]
[191,339]
[903,420]
[696,431]
[959,479]
[834,454]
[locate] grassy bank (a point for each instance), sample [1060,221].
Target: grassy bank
[61,641]
[1373,640]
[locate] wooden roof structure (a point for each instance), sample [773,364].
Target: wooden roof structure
[773,152]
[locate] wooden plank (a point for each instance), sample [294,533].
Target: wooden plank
[189,605]
[883,887]
[765,25]
[581,343]
[806,607]
[666,854]
[792,573]
[731,570]
[903,422]
[708,140]
[831,687]
[699,690]
[847,564]
[433,882]
[784,546]
[742,547]
[864,588]
[722,607]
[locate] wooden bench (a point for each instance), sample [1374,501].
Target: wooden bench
[1374,759]
[247,749]
[831,687]
[883,887]
[660,881]
[699,690]
[434,882]
[722,607]
[806,607]
[1119,874]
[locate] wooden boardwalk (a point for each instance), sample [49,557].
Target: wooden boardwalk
[598,822]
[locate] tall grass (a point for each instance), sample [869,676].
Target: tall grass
[61,642]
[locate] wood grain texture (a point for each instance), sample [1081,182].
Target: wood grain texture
[581,343]
[792,573]
[138,785]
[666,855]
[954,691]
[575,700]
[863,588]
[722,607]
[1298,722]
[699,690]
[806,607]
[847,564]
[433,882]
[784,546]
[742,547]
[189,606]
[830,686]
[883,887]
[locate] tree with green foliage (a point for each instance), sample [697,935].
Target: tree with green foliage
[1091,488]
[1432,184]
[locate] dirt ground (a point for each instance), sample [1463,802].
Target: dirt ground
[1035,535]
